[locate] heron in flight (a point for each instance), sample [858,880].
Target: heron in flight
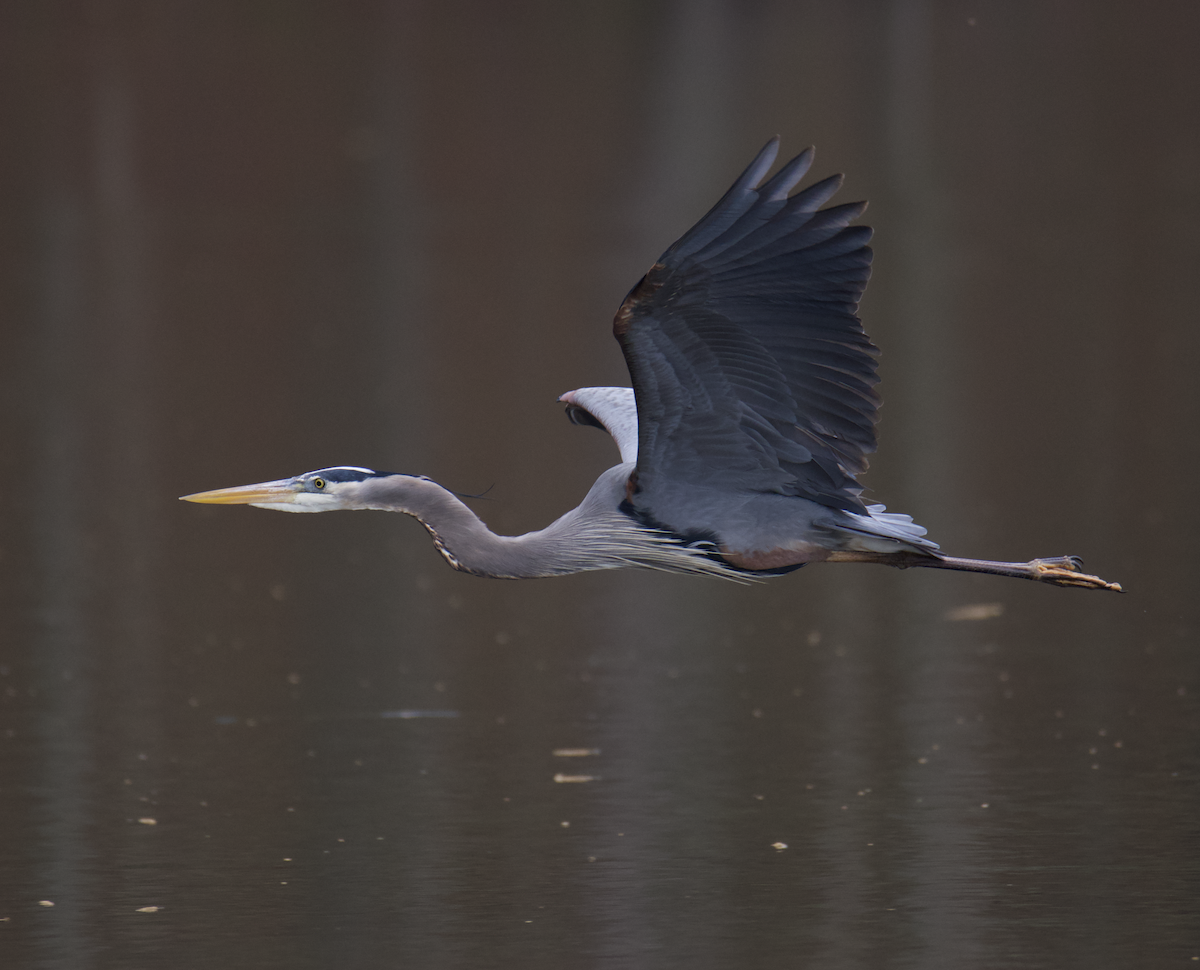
[752,411]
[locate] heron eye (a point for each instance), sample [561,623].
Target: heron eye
[318,483]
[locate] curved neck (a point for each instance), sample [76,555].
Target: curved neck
[469,545]
[595,535]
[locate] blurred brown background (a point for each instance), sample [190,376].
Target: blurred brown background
[245,240]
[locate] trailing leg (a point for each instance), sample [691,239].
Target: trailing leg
[1060,571]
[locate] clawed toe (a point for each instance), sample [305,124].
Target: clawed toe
[1068,571]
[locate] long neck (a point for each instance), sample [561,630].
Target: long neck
[470,546]
[595,535]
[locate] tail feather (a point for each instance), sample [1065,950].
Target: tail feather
[888,525]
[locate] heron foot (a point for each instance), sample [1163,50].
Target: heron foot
[1068,571]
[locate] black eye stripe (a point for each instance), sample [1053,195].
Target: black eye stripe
[347,474]
[344,473]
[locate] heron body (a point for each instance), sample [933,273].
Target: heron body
[752,411]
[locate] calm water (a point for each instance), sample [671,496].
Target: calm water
[244,240]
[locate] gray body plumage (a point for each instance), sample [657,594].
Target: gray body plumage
[741,519]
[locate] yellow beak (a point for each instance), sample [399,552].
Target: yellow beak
[265,493]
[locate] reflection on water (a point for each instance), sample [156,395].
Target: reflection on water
[954,792]
[253,240]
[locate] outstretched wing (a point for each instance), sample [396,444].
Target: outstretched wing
[750,366]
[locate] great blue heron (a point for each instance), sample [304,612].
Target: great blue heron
[752,410]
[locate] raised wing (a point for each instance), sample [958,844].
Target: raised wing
[609,408]
[750,366]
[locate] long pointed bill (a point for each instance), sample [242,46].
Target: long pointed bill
[283,492]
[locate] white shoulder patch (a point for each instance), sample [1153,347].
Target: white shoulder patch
[615,408]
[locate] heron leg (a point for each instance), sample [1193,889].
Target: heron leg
[1059,570]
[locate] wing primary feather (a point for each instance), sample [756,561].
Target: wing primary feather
[783,181]
[731,205]
[816,195]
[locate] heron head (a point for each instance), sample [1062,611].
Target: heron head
[325,490]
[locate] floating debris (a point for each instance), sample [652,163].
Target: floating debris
[778,846]
[406,714]
[45,902]
[147,909]
[147,821]
[573,779]
[575,752]
[975,611]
